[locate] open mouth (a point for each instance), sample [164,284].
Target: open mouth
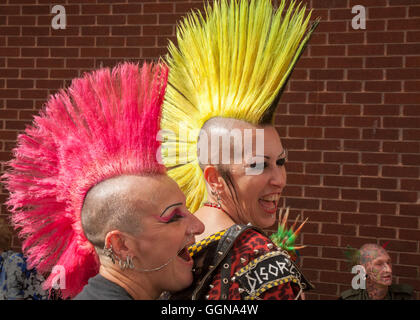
[269,203]
[184,254]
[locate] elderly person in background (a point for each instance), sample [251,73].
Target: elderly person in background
[378,269]
[93,202]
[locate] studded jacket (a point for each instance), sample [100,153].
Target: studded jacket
[242,263]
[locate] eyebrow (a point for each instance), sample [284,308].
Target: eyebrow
[267,157]
[172,205]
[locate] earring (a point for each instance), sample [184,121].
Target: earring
[128,263]
[108,252]
[218,198]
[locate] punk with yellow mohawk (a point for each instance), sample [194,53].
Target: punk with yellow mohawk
[227,72]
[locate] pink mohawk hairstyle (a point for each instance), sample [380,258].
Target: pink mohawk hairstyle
[103,126]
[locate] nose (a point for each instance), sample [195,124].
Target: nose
[388,267]
[195,225]
[279,177]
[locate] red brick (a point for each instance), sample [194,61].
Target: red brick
[343,133]
[409,235]
[320,192]
[341,157]
[141,41]
[410,209]
[377,232]
[402,246]
[321,240]
[292,191]
[403,24]
[385,37]
[293,97]
[360,145]
[361,122]
[399,222]
[289,120]
[386,134]
[345,38]
[305,156]
[157,30]
[305,108]
[380,183]
[339,205]
[327,51]
[302,203]
[341,181]
[380,158]
[126,8]
[346,109]
[359,194]
[304,132]
[400,171]
[359,219]
[384,62]
[412,86]
[383,86]
[399,196]
[411,134]
[96,9]
[364,97]
[321,216]
[319,264]
[381,110]
[306,86]
[63,52]
[324,121]
[94,52]
[402,147]
[410,159]
[365,74]
[366,50]
[413,36]
[338,229]
[125,52]
[112,19]
[406,98]
[323,144]
[383,13]
[412,61]
[401,122]
[404,271]
[294,167]
[294,144]
[326,74]
[310,62]
[344,86]
[408,184]
[300,179]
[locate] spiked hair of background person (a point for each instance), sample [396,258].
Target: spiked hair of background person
[234,62]
[104,125]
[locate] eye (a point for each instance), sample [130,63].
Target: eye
[280,162]
[258,165]
[173,216]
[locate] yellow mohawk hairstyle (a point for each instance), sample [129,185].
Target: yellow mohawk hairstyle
[232,63]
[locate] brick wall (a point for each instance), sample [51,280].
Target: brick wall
[350,117]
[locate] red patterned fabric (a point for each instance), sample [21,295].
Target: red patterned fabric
[244,247]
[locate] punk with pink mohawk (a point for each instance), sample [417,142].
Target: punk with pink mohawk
[104,125]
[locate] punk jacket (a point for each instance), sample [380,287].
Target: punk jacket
[242,263]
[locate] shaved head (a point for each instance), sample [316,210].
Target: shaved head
[369,252]
[110,205]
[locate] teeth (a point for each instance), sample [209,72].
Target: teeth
[273,197]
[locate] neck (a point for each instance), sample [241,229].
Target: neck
[138,289]
[376,291]
[214,221]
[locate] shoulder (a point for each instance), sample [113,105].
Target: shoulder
[351,294]
[402,291]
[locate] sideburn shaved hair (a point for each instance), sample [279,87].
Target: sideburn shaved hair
[108,207]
